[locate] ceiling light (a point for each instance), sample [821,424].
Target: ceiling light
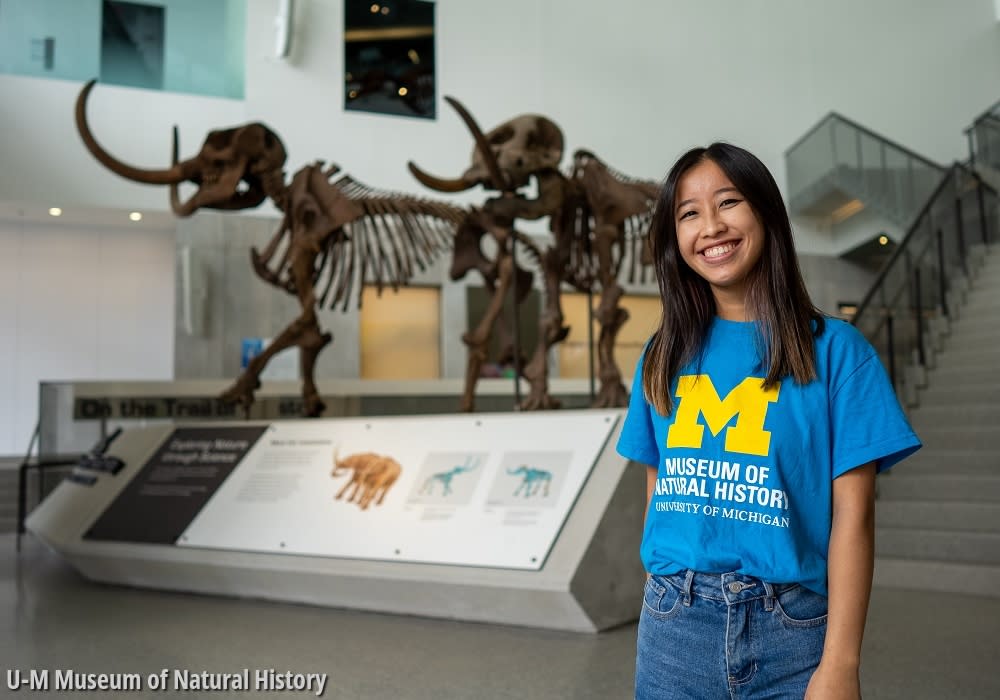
[55,211]
[375,9]
[135,216]
[385,10]
[414,56]
[402,91]
[883,240]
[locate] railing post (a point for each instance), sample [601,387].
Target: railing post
[892,349]
[941,272]
[885,168]
[861,169]
[22,499]
[919,310]
[981,202]
[960,232]
[972,148]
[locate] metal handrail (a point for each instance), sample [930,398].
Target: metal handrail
[898,253]
[990,113]
[853,124]
[912,231]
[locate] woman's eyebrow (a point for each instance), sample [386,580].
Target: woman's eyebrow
[716,194]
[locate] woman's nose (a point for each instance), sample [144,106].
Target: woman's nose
[714,225]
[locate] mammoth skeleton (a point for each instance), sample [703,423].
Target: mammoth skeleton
[335,236]
[597,218]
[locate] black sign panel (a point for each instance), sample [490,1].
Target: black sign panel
[172,487]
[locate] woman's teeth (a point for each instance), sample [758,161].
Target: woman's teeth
[719,250]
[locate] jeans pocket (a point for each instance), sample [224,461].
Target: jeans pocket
[800,607]
[660,599]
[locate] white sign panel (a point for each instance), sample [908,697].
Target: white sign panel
[478,490]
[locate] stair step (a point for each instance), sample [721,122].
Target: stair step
[958,437]
[938,515]
[918,487]
[938,545]
[963,376]
[944,395]
[968,413]
[969,358]
[929,461]
[969,333]
[941,576]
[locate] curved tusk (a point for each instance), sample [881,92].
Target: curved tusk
[151,177]
[437,183]
[489,158]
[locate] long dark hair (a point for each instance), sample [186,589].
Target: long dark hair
[777,300]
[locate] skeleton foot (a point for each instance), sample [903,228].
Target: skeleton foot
[312,405]
[242,392]
[611,395]
[540,401]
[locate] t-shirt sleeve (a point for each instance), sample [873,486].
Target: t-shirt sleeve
[637,440]
[868,423]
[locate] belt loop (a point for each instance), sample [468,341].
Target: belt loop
[688,585]
[769,596]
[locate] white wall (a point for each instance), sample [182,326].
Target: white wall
[79,302]
[636,81]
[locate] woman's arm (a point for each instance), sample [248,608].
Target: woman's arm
[650,486]
[851,561]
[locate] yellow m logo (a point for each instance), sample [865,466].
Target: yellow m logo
[748,401]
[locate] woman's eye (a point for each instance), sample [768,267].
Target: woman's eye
[729,202]
[686,214]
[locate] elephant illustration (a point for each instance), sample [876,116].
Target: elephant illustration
[373,475]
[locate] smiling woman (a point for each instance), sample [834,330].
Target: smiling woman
[719,235]
[801,413]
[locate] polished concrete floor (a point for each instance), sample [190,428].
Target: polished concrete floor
[918,645]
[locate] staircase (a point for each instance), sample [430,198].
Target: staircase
[938,513]
[840,161]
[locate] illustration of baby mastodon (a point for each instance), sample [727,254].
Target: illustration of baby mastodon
[373,475]
[445,477]
[531,480]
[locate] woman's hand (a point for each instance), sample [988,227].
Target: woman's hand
[830,683]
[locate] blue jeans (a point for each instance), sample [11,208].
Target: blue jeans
[727,636]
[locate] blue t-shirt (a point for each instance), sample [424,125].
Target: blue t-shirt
[745,475]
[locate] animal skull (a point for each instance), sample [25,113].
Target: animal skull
[235,168]
[521,147]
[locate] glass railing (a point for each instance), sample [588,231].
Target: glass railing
[984,139]
[171,45]
[916,287]
[839,161]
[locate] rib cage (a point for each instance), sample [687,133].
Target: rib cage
[397,235]
[634,228]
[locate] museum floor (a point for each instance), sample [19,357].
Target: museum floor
[918,645]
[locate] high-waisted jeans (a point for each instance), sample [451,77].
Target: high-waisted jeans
[727,637]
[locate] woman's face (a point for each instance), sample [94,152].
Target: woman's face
[718,233]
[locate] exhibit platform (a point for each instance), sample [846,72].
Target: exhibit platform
[516,518]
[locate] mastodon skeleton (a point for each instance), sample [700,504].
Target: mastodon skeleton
[598,218]
[336,235]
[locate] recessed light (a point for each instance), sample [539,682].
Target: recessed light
[55,211]
[403,91]
[375,9]
[883,240]
[135,216]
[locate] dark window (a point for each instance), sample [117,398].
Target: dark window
[132,44]
[389,57]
